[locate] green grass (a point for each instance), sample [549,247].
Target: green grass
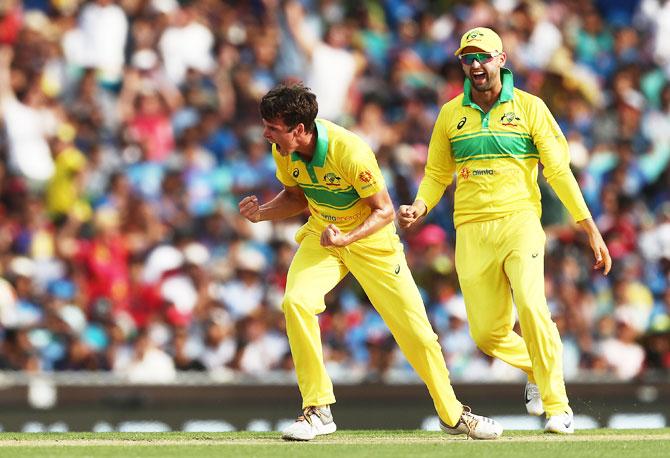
[514,444]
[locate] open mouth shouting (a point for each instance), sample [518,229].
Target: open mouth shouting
[478,77]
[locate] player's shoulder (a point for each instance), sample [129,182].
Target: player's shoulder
[343,140]
[453,105]
[455,102]
[527,99]
[337,132]
[452,109]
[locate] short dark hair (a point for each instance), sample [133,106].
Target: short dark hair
[292,104]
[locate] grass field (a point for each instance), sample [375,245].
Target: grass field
[514,444]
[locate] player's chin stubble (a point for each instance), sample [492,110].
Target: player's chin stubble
[482,87]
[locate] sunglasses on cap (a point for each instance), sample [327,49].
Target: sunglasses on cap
[481,57]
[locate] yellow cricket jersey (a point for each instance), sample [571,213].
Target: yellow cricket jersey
[61,193]
[342,171]
[495,157]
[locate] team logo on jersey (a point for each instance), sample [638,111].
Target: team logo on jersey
[508,119]
[331,179]
[296,172]
[464,173]
[365,177]
[461,123]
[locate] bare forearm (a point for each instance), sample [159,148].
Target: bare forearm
[284,205]
[421,207]
[295,18]
[378,219]
[600,251]
[6,91]
[589,226]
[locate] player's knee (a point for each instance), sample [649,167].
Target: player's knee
[429,338]
[292,303]
[296,303]
[485,340]
[533,312]
[424,340]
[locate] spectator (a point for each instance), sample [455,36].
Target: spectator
[149,363]
[220,345]
[100,39]
[263,350]
[621,351]
[186,43]
[28,124]
[244,294]
[65,193]
[331,68]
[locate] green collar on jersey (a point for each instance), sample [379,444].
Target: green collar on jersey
[319,158]
[506,94]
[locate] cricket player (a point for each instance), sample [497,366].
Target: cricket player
[492,137]
[334,173]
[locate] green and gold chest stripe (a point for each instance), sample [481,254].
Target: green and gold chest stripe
[338,199]
[493,145]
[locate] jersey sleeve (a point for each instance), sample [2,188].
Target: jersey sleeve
[555,157]
[283,174]
[362,170]
[440,165]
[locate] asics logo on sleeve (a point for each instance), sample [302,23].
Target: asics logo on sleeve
[461,123]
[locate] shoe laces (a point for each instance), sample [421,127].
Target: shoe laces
[471,420]
[307,412]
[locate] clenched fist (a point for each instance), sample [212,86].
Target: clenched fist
[250,209]
[333,236]
[408,214]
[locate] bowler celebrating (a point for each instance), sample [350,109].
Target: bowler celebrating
[331,171]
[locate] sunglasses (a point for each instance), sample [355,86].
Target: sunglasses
[481,57]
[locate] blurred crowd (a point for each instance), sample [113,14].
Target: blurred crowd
[130,130]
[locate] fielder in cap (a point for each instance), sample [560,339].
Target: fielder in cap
[492,138]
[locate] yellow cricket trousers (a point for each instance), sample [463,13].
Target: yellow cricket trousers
[379,265]
[498,262]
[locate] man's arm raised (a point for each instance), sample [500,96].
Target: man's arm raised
[289,202]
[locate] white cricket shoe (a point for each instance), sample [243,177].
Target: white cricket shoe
[312,422]
[475,426]
[533,399]
[560,424]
